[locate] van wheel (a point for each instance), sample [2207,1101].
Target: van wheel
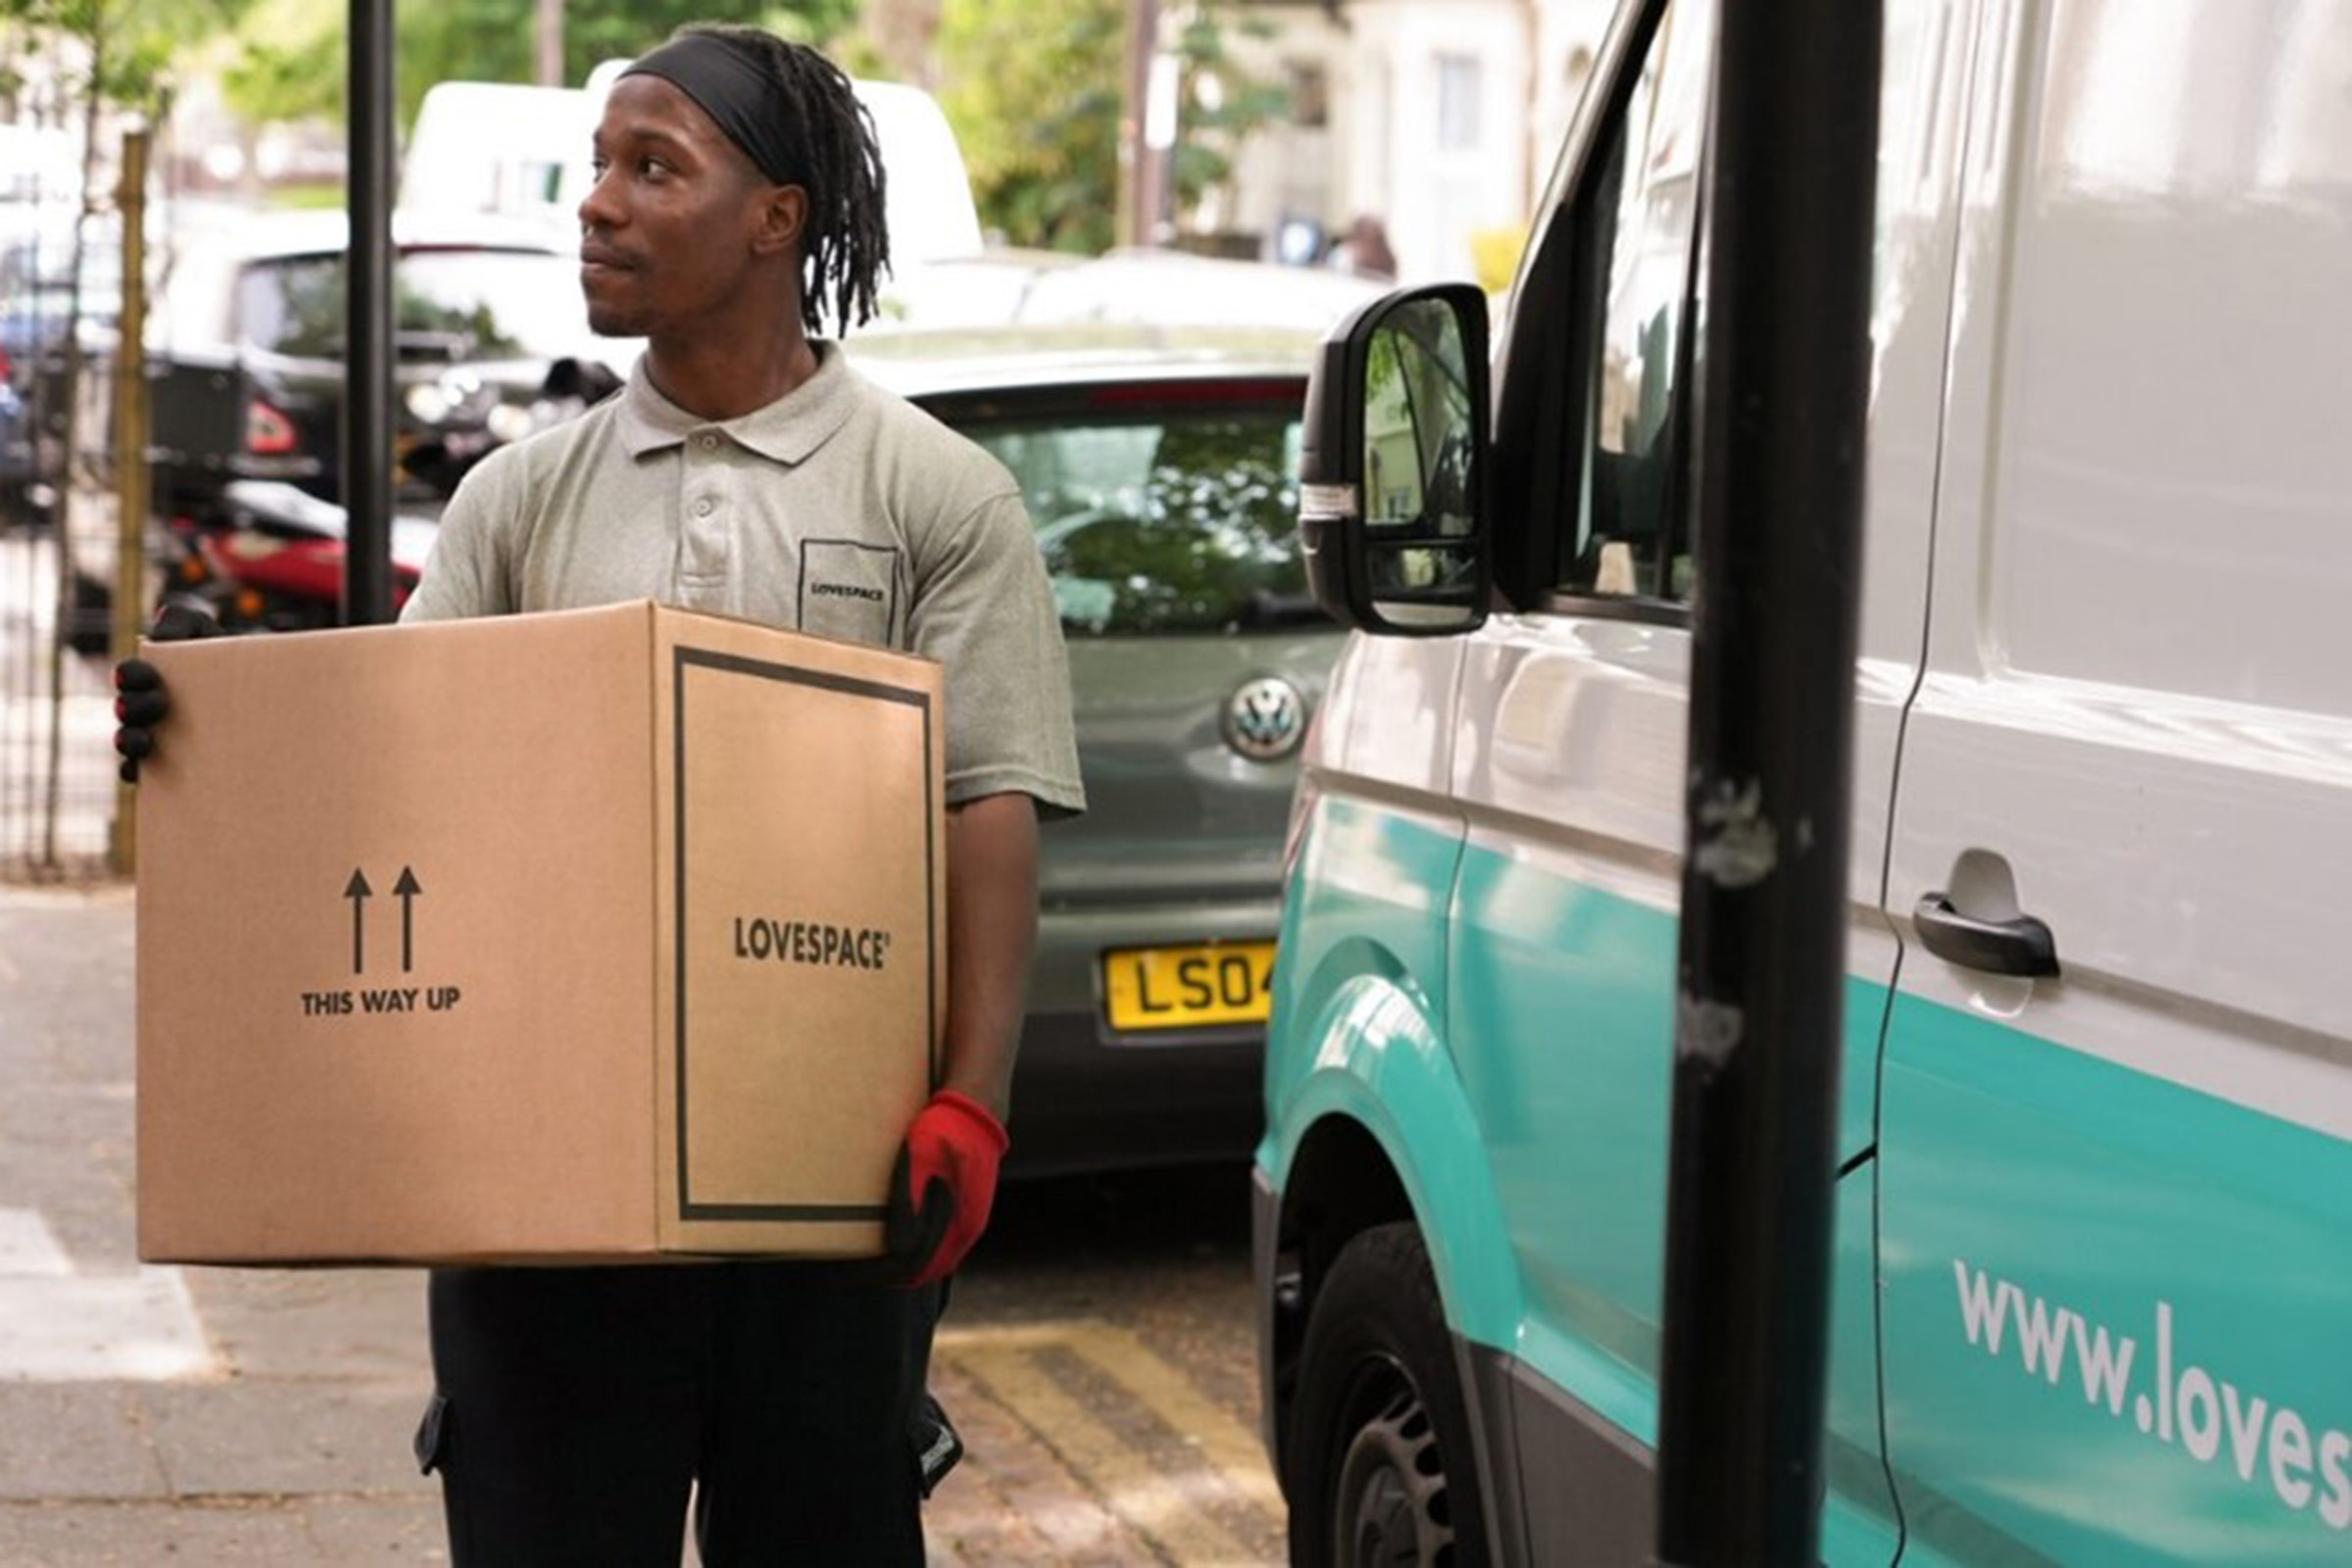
[1382,1470]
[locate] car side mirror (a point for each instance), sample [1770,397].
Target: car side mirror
[1391,515]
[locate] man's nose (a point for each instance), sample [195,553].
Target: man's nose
[597,207]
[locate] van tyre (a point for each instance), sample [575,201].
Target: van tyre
[1382,1468]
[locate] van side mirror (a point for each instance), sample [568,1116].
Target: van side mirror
[1391,515]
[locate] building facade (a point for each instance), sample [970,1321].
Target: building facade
[1436,119]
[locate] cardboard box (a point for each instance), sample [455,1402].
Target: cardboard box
[599,935]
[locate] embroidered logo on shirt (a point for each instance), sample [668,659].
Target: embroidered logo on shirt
[846,590]
[849,590]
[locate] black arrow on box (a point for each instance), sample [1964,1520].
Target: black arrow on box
[407,888]
[357,892]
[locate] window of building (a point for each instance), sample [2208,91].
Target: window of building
[1310,94]
[1458,91]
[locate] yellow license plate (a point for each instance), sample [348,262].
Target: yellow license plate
[1187,988]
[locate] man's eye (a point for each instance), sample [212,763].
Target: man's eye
[598,166]
[652,169]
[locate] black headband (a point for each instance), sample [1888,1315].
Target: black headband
[740,97]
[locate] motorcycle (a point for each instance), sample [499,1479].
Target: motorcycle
[270,556]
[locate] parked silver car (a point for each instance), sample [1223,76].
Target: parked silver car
[1160,468]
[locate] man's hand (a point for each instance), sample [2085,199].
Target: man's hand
[141,701]
[944,1186]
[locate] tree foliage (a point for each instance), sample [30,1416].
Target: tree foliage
[284,60]
[288,56]
[1222,102]
[122,50]
[1034,95]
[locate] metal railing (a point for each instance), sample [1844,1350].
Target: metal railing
[74,588]
[57,769]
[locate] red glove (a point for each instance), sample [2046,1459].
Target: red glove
[946,1181]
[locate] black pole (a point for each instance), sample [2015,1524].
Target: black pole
[1784,380]
[368,323]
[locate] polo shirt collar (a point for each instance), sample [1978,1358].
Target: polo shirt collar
[785,431]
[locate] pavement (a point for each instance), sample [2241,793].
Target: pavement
[240,1417]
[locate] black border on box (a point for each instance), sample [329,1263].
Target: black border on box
[735,664]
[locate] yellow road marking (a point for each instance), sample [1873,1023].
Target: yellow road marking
[1167,1509]
[1231,1449]
[1175,1511]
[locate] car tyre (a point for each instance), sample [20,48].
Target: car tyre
[1381,1467]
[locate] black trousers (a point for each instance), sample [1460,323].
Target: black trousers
[575,1410]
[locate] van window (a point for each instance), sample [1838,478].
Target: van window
[1633,282]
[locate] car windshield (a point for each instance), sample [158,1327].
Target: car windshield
[1157,521]
[452,304]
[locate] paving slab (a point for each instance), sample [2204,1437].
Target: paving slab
[254,1438]
[391,1530]
[153,1535]
[315,1323]
[73,1440]
[94,1229]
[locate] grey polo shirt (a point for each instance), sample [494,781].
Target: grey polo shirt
[840,510]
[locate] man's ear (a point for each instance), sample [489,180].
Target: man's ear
[782,216]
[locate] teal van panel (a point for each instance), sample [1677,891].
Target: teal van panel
[1563,1015]
[1367,896]
[1354,1032]
[1563,1026]
[1530,1125]
[1859,1527]
[1859,1524]
[1382,1065]
[1859,1537]
[2115,1309]
[1367,893]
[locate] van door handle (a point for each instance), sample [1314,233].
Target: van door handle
[2020,947]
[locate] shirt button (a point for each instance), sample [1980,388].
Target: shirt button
[705,507]
[709,443]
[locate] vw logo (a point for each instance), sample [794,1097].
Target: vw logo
[1266,719]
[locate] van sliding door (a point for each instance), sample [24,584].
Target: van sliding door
[2117,1130]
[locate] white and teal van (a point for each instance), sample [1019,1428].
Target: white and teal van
[2092,1296]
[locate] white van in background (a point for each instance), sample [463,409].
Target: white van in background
[494,147]
[501,147]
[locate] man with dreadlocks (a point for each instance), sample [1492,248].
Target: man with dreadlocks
[747,469]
